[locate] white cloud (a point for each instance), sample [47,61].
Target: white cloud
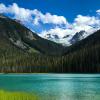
[86,20]
[98,11]
[86,23]
[20,13]
[26,15]
[14,9]
[48,18]
[2,8]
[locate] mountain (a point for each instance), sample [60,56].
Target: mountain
[49,36]
[90,41]
[68,39]
[78,36]
[65,41]
[83,56]
[15,34]
[23,51]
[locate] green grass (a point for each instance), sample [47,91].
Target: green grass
[4,95]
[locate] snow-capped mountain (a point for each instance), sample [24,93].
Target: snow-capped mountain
[66,40]
[49,36]
[69,39]
[79,36]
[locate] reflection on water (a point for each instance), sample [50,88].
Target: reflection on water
[54,86]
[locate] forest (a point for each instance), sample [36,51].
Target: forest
[85,59]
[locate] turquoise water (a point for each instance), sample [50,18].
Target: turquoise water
[54,86]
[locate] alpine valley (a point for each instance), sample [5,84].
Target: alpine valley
[23,51]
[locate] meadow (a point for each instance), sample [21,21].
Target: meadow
[5,95]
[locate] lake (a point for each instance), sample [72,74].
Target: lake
[54,86]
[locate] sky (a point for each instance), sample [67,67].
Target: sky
[59,17]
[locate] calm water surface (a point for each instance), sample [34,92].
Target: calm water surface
[54,86]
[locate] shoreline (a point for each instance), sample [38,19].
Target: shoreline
[50,73]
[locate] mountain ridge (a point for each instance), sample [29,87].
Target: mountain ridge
[25,39]
[68,39]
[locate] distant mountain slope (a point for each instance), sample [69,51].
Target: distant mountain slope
[14,33]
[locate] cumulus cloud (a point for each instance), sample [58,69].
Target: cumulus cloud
[86,20]
[48,18]
[86,23]
[27,15]
[98,11]
[14,9]
[2,8]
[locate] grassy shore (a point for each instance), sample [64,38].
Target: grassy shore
[4,95]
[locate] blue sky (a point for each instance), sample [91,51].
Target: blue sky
[72,11]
